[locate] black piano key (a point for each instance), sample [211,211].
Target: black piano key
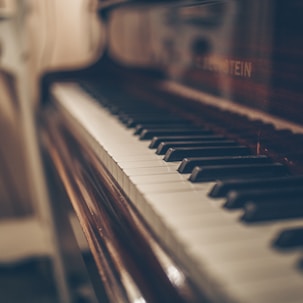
[289,238]
[140,127]
[134,111]
[188,164]
[164,146]
[133,121]
[258,212]
[217,172]
[178,154]
[125,116]
[157,140]
[222,188]
[237,198]
[119,110]
[149,134]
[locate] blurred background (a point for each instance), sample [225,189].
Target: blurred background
[36,36]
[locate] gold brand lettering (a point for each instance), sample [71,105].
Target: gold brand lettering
[239,68]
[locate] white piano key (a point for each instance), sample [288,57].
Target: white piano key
[248,248]
[147,163]
[189,203]
[169,187]
[244,271]
[127,149]
[147,171]
[163,178]
[135,158]
[285,288]
[195,196]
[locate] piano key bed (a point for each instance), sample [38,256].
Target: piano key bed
[232,218]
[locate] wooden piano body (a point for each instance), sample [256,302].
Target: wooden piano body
[224,77]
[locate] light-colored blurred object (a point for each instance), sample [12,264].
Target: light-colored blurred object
[15,194]
[36,36]
[62,35]
[7,8]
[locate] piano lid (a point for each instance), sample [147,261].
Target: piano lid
[250,52]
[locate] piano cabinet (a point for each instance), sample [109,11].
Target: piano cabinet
[218,218]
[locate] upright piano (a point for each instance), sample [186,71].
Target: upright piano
[180,151]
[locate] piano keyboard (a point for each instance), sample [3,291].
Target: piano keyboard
[229,235]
